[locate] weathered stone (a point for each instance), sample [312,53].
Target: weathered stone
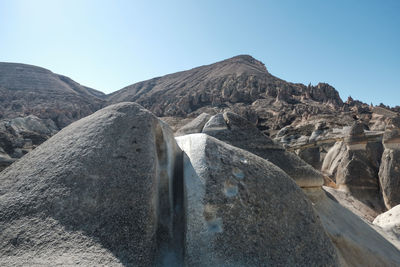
[311,156]
[355,170]
[389,221]
[356,140]
[237,131]
[389,172]
[357,243]
[389,177]
[244,211]
[100,192]
[195,126]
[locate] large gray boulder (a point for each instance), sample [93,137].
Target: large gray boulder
[241,210]
[99,193]
[237,131]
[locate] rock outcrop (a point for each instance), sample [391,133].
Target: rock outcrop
[237,131]
[389,172]
[240,84]
[38,103]
[353,164]
[103,191]
[389,221]
[244,211]
[194,126]
[27,89]
[20,135]
[357,243]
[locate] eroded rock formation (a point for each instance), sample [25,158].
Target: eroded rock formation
[389,172]
[354,164]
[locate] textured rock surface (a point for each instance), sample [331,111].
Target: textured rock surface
[357,243]
[97,193]
[244,211]
[357,207]
[194,126]
[240,84]
[20,135]
[389,221]
[26,89]
[237,131]
[389,172]
[354,165]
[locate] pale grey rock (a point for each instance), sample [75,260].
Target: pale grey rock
[353,164]
[357,243]
[101,192]
[20,135]
[237,131]
[244,211]
[389,172]
[32,123]
[389,221]
[311,156]
[195,126]
[389,177]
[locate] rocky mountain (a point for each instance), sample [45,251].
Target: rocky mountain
[35,103]
[241,84]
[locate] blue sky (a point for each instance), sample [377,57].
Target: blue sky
[353,45]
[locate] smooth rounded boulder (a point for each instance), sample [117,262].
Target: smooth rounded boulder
[242,210]
[99,193]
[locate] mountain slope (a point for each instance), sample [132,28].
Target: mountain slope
[27,89]
[241,83]
[34,104]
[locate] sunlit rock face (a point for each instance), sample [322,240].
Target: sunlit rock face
[389,221]
[357,243]
[244,211]
[389,172]
[354,165]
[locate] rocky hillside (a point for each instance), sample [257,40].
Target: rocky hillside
[35,103]
[242,84]
[30,90]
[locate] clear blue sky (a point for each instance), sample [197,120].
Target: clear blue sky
[353,45]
